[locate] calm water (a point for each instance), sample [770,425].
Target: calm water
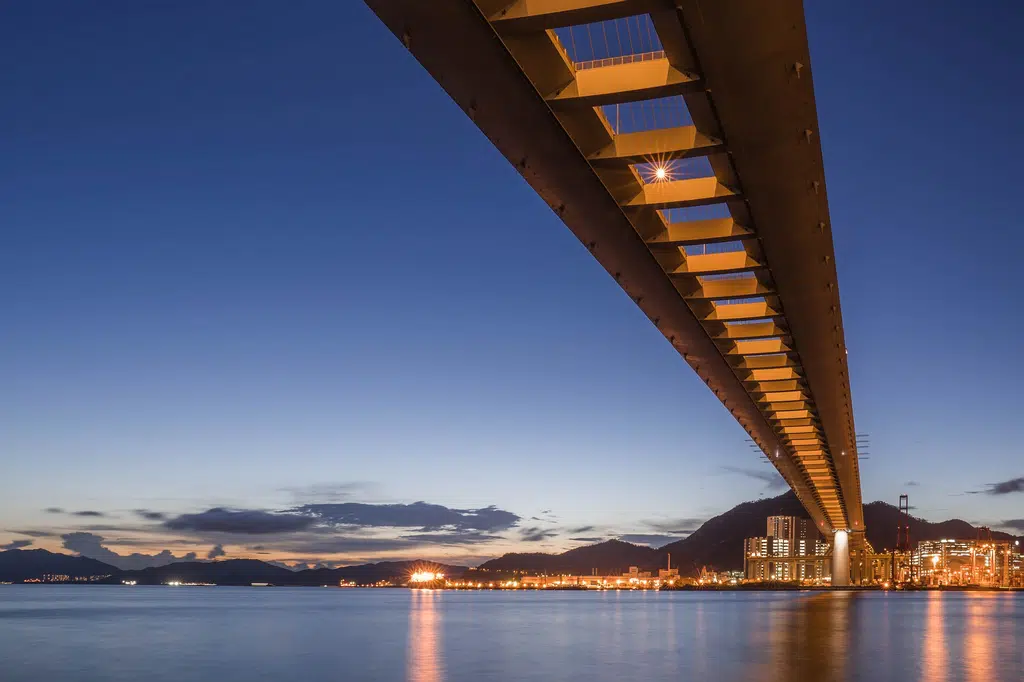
[158,634]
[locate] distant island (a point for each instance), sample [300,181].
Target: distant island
[716,545]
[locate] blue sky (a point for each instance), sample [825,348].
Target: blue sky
[253,258]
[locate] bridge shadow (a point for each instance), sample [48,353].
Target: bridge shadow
[810,640]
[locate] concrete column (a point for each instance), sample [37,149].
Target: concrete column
[841,559]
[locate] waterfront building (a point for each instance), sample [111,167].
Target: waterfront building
[965,562]
[634,578]
[791,551]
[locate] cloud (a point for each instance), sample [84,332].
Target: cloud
[150,515]
[91,545]
[416,515]
[649,540]
[1014,485]
[770,477]
[341,544]
[16,544]
[328,492]
[240,522]
[466,538]
[217,551]
[591,539]
[34,533]
[1015,524]
[581,529]
[290,567]
[85,512]
[683,526]
[911,484]
[536,534]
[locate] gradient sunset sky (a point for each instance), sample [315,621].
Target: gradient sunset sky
[264,287]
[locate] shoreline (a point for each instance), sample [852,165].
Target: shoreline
[694,588]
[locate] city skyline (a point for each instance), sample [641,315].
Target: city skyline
[224,324]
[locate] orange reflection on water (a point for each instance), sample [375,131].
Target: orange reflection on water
[978,645]
[935,667]
[424,659]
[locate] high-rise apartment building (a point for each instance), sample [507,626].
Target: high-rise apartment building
[792,550]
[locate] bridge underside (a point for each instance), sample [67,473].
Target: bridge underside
[711,214]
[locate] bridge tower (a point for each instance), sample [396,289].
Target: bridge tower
[902,551]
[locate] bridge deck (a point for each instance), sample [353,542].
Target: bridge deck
[734,266]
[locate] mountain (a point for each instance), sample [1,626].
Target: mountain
[17,565]
[882,519]
[228,572]
[718,543]
[609,557]
[365,574]
[248,571]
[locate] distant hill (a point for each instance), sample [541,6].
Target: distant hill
[882,519]
[611,556]
[17,565]
[365,574]
[248,571]
[718,543]
[228,572]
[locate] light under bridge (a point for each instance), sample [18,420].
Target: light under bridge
[678,140]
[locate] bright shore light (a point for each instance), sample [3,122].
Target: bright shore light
[660,172]
[425,577]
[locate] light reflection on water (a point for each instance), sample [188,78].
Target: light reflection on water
[425,647]
[935,664]
[80,634]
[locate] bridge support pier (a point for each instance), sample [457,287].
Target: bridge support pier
[861,568]
[841,559]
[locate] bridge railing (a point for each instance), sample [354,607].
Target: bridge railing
[624,59]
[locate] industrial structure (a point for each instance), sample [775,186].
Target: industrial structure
[679,141]
[901,569]
[966,562]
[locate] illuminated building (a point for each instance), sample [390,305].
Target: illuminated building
[792,550]
[634,579]
[965,562]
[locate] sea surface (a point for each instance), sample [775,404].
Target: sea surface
[192,634]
